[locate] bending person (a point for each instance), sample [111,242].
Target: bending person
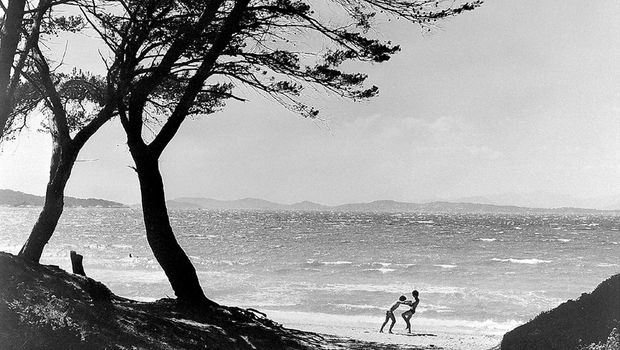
[409,313]
[389,314]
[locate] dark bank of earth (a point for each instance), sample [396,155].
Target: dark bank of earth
[590,322]
[44,307]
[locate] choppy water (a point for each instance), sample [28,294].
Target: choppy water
[485,272]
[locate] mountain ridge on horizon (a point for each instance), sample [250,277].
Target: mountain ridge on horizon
[479,204]
[377,205]
[13,198]
[545,200]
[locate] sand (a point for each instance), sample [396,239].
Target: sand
[421,337]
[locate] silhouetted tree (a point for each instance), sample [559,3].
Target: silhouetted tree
[77,105]
[187,57]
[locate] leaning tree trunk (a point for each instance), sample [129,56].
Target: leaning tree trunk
[169,254]
[63,159]
[11,34]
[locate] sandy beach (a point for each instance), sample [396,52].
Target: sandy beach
[427,337]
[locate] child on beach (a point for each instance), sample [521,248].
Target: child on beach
[409,313]
[389,314]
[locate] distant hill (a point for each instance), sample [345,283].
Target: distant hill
[19,199]
[246,203]
[376,206]
[305,205]
[574,324]
[545,200]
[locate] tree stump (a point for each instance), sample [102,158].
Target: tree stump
[76,263]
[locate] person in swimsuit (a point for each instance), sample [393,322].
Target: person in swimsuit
[409,313]
[389,314]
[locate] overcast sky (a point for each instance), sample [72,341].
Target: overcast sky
[517,96]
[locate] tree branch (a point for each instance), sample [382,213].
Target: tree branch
[172,125]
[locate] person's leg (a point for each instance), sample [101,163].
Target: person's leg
[387,317]
[409,324]
[407,316]
[393,322]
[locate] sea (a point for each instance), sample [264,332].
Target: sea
[478,273]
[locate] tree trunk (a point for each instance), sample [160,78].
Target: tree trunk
[169,254]
[63,159]
[11,34]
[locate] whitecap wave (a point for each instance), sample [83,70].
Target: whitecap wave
[445,266]
[336,263]
[122,246]
[523,261]
[382,270]
[359,306]
[203,237]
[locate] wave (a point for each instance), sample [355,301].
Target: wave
[202,236]
[122,246]
[488,239]
[336,263]
[227,263]
[445,266]
[313,262]
[382,270]
[523,261]
[421,308]
[606,265]
[361,306]
[383,264]
[385,288]
[434,308]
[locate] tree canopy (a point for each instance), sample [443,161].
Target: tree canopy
[189,57]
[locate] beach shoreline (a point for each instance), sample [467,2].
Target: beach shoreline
[426,337]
